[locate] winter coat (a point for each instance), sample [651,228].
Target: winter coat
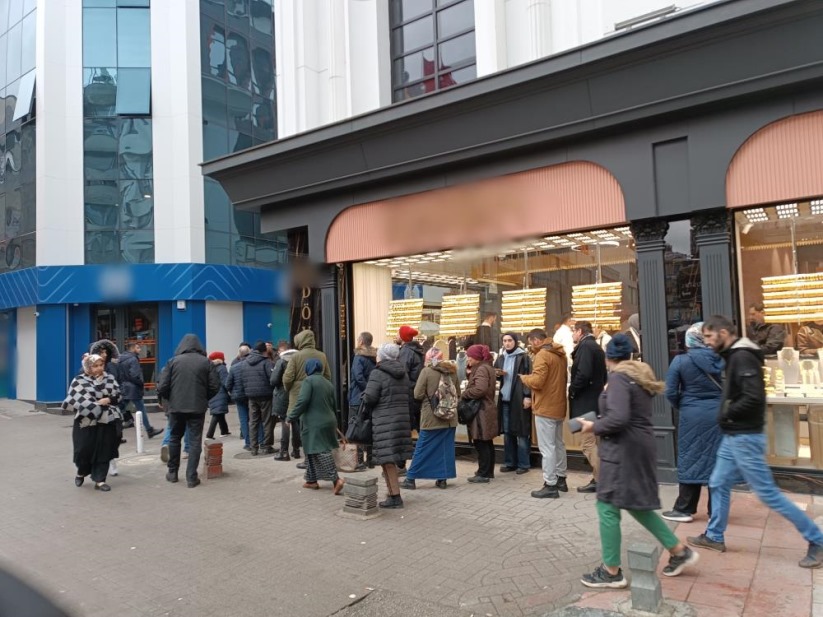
[219,403]
[809,339]
[482,385]
[131,377]
[363,363]
[743,409]
[280,398]
[387,396]
[234,382]
[189,380]
[588,377]
[413,358]
[769,337]
[255,373]
[627,448]
[296,369]
[426,387]
[315,408]
[548,382]
[697,398]
[520,418]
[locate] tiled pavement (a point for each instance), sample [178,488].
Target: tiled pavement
[256,543]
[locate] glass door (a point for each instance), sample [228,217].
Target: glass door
[135,323]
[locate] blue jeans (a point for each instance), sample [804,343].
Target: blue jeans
[167,437]
[742,458]
[515,449]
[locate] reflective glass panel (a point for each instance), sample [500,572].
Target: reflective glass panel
[11,102]
[240,110]
[133,38]
[404,10]
[134,3]
[239,63]
[214,101]
[457,51]
[414,66]
[213,8]
[137,247]
[25,95]
[99,37]
[217,207]
[14,42]
[135,148]
[457,18]
[262,16]
[414,35]
[100,149]
[264,123]
[263,72]
[133,91]
[237,12]
[102,216]
[213,48]
[15,11]
[239,141]
[218,247]
[102,247]
[100,3]
[99,91]
[28,50]
[215,141]
[460,76]
[243,223]
[137,204]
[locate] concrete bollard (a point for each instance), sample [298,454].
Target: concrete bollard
[361,497]
[646,592]
[138,430]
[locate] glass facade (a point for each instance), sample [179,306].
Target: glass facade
[18,198]
[684,296]
[239,111]
[433,46]
[117,132]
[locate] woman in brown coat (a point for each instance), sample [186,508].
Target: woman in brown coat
[484,427]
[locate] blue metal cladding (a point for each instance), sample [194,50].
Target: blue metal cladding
[141,283]
[53,369]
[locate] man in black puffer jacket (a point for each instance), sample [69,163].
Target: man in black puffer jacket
[742,454]
[255,374]
[186,384]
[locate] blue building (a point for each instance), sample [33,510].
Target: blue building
[108,229]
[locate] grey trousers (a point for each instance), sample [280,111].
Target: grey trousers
[552,448]
[260,412]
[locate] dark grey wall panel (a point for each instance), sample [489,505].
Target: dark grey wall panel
[671,176]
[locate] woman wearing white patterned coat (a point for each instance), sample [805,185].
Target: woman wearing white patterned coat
[92,397]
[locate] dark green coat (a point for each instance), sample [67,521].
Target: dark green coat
[315,408]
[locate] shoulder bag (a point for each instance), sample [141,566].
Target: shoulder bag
[359,429]
[467,409]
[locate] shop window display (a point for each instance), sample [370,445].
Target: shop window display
[491,281]
[780,260]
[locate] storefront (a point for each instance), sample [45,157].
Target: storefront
[575,170]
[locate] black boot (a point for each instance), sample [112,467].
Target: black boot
[283,456]
[408,484]
[295,453]
[591,487]
[561,484]
[393,502]
[549,491]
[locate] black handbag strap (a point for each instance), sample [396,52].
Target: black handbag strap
[706,373]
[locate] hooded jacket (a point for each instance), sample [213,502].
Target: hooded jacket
[113,361]
[131,377]
[588,376]
[280,398]
[387,396]
[255,373]
[363,363]
[219,403]
[426,388]
[627,449]
[744,392]
[547,382]
[189,380]
[296,369]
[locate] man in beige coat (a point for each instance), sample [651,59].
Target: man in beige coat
[547,383]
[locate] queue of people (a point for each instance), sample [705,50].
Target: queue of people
[716,388]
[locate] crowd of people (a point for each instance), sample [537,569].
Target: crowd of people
[716,387]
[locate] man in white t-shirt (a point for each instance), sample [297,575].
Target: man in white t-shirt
[564,336]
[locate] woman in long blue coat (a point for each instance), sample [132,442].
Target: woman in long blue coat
[694,386]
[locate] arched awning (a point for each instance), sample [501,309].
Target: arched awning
[561,198]
[783,161]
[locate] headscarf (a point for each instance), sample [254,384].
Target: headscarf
[89,360]
[634,322]
[619,348]
[433,356]
[479,353]
[388,351]
[514,336]
[313,366]
[694,336]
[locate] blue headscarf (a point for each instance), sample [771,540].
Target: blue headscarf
[313,366]
[694,336]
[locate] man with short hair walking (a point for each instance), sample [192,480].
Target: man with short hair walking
[742,454]
[255,374]
[132,385]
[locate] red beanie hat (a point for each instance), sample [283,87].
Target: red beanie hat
[407,333]
[217,355]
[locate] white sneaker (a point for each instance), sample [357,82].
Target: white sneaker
[113,468]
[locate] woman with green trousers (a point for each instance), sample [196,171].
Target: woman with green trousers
[628,465]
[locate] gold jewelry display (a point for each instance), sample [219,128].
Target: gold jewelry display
[599,304]
[793,298]
[458,315]
[404,313]
[524,310]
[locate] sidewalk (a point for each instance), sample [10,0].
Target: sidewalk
[757,576]
[256,543]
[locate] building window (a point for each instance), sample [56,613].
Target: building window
[432,46]
[18,197]
[118,167]
[239,111]
[684,296]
